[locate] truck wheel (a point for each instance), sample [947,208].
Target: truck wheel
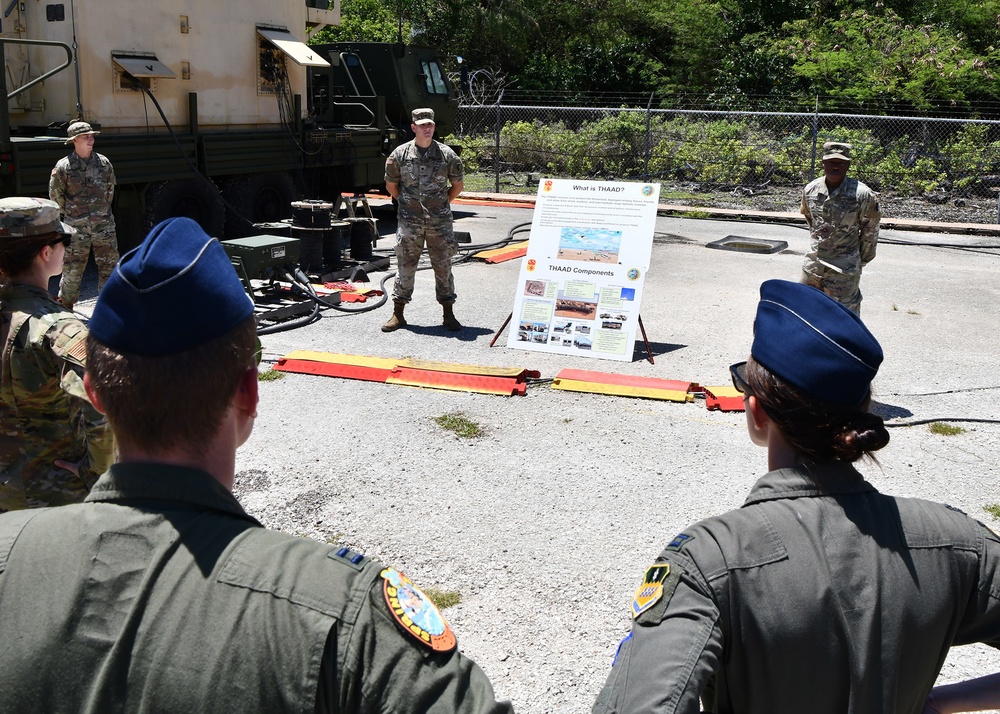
[259,198]
[197,199]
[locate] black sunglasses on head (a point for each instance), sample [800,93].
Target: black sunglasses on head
[64,238]
[738,372]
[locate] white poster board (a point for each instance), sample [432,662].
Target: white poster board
[581,280]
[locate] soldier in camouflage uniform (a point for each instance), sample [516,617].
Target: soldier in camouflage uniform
[53,443]
[424,176]
[83,184]
[843,217]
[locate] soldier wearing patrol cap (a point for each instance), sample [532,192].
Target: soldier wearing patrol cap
[843,216]
[53,443]
[83,184]
[160,593]
[820,594]
[425,176]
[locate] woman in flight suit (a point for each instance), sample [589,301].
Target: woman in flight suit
[820,594]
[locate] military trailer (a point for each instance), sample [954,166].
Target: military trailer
[216,111]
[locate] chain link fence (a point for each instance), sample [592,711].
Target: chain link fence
[931,169]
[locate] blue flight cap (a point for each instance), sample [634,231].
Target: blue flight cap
[814,343]
[176,291]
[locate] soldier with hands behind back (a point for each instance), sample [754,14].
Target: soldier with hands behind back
[83,184]
[843,216]
[159,592]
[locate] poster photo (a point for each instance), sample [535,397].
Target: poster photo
[581,280]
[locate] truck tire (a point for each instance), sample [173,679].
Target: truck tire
[197,199]
[258,198]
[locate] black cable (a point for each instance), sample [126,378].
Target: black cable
[180,148]
[311,294]
[917,422]
[935,394]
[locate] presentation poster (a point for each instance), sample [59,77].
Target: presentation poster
[581,280]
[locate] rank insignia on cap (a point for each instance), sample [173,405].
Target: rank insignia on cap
[415,612]
[651,589]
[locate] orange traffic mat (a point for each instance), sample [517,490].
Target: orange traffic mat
[411,372]
[507,252]
[725,399]
[579,380]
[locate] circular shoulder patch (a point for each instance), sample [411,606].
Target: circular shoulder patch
[415,612]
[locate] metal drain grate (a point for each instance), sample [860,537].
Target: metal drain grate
[748,245]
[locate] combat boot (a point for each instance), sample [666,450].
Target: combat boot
[450,322]
[397,320]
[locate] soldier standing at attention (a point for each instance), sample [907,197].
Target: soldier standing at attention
[83,184]
[425,176]
[820,595]
[53,443]
[159,592]
[843,217]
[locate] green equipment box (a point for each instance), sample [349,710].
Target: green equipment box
[253,256]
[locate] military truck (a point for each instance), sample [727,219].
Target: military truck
[407,76]
[216,111]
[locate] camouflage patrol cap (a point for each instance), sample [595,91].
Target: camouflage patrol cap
[836,150]
[22,217]
[423,116]
[79,128]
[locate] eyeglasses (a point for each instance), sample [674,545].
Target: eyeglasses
[64,238]
[738,372]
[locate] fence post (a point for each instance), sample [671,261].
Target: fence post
[812,167]
[496,153]
[649,143]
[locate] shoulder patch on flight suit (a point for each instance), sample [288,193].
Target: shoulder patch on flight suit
[679,542]
[650,590]
[349,557]
[652,614]
[415,612]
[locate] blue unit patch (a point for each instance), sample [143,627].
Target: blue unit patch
[680,541]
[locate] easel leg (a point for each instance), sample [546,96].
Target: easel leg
[502,327]
[649,352]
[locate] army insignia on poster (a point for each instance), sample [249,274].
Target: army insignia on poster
[415,612]
[651,590]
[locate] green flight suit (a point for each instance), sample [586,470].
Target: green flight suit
[45,414]
[819,595]
[160,594]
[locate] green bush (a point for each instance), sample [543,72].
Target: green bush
[725,152]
